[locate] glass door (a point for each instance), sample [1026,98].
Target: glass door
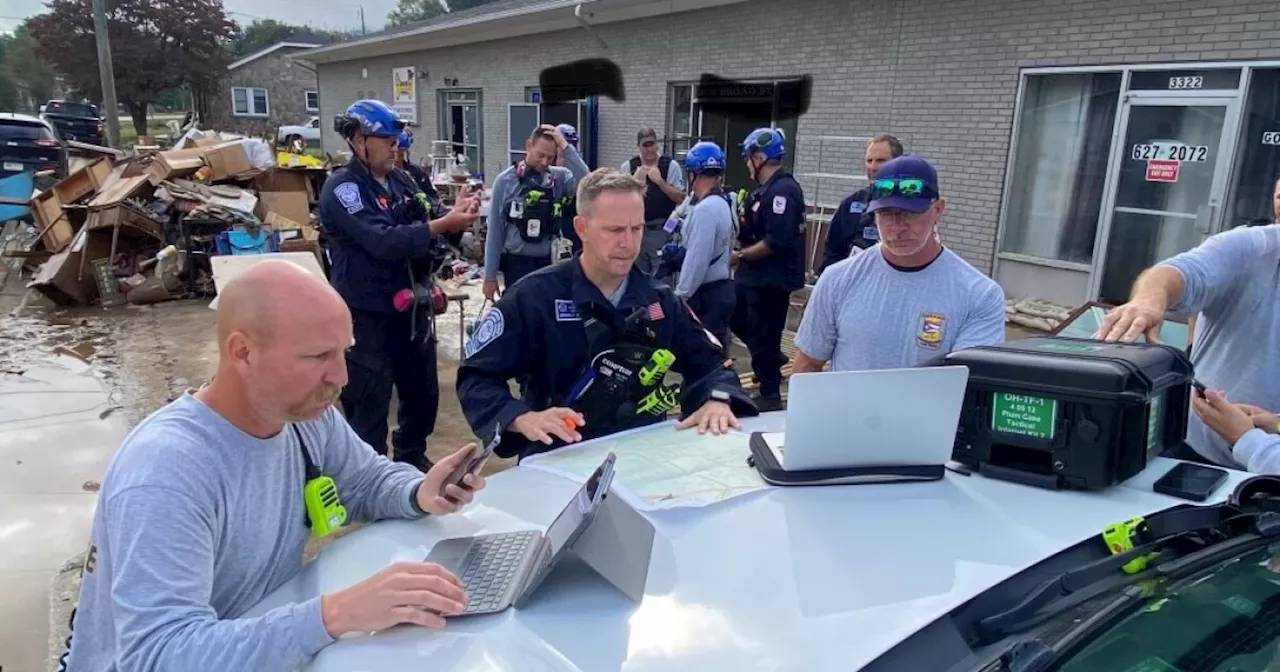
[1170,176]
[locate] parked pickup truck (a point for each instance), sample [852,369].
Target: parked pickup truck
[74,121]
[296,138]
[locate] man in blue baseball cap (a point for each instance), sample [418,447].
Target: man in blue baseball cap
[905,301]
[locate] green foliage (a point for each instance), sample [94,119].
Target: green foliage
[27,80]
[411,11]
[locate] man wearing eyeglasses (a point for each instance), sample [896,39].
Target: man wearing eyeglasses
[915,300]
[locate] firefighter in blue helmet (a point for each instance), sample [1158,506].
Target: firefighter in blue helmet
[403,162]
[770,264]
[568,244]
[593,339]
[382,240]
[706,242]
[523,206]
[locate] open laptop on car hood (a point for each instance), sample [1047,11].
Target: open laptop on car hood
[824,578]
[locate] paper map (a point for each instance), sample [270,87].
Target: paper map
[661,468]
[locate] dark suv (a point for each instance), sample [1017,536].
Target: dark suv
[28,144]
[74,121]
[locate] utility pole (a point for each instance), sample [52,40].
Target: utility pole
[362,30]
[106,72]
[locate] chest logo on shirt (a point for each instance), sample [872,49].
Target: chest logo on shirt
[857,207]
[566,311]
[779,205]
[349,196]
[933,328]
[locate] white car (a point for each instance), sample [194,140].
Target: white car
[911,577]
[296,138]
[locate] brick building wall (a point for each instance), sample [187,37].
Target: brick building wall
[286,83]
[940,74]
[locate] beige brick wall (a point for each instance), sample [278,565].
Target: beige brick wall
[940,74]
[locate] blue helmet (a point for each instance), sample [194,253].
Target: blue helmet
[406,139]
[569,132]
[705,157]
[770,141]
[370,117]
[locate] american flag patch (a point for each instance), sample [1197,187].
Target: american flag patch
[655,311]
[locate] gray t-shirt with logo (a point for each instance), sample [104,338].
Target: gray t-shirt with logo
[1233,281]
[865,314]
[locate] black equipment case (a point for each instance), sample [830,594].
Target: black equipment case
[1068,413]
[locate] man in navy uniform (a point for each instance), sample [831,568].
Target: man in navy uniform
[770,263]
[382,241]
[584,335]
[853,225]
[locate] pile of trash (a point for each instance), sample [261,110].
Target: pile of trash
[1035,314]
[159,223]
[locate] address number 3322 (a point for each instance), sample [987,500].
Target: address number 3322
[1170,152]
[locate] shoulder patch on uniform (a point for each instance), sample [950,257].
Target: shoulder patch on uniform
[487,330]
[348,194]
[566,311]
[779,205]
[857,207]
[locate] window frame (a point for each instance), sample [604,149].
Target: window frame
[249,100]
[306,100]
[463,95]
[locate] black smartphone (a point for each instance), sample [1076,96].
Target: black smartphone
[1194,482]
[1198,385]
[476,460]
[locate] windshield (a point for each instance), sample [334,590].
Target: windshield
[74,109]
[1226,621]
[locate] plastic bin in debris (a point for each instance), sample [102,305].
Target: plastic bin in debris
[240,241]
[16,187]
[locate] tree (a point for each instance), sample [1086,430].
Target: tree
[259,35]
[412,11]
[460,5]
[155,45]
[29,77]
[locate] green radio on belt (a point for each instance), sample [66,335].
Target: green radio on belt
[325,512]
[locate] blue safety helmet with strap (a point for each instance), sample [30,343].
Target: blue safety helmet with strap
[369,117]
[769,141]
[569,132]
[705,157]
[406,139]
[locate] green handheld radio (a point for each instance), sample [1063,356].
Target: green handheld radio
[659,363]
[660,401]
[325,512]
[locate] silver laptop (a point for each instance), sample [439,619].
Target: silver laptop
[890,417]
[501,570]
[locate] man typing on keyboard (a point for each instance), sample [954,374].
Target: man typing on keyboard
[207,506]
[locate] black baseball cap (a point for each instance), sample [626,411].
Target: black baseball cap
[906,183]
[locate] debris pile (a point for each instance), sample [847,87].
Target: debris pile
[151,225]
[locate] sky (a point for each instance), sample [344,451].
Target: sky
[333,14]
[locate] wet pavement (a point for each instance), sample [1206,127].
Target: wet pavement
[73,381]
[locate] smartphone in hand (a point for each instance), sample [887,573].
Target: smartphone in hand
[475,461]
[1198,385]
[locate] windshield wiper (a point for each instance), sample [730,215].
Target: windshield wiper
[1036,655]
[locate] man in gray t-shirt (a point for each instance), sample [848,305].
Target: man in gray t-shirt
[1233,281]
[905,300]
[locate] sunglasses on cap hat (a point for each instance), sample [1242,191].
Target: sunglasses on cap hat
[911,186]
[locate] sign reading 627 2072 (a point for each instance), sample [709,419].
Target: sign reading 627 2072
[1170,151]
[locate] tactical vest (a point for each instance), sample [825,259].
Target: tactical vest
[657,205]
[533,210]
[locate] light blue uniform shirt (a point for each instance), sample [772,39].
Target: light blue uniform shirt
[1233,281]
[197,522]
[502,236]
[865,314]
[708,242]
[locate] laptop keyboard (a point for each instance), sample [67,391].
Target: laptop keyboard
[491,565]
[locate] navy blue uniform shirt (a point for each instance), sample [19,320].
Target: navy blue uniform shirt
[536,329]
[774,213]
[375,235]
[851,226]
